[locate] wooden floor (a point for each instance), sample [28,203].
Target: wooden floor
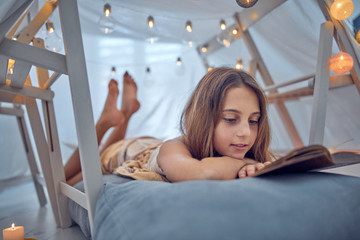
[19,204]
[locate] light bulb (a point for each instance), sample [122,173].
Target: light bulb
[210,69]
[178,61]
[341,9]
[180,68]
[189,26]
[234,31]
[149,78]
[239,64]
[222,24]
[204,48]
[52,40]
[151,22]
[113,72]
[151,33]
[225,38]
[189,39]
[341,63]
[246,3]
[106,22]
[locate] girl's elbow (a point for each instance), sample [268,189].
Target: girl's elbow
[211,174]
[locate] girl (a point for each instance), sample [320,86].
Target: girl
[225,134]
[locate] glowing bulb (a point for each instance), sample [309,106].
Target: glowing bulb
[188,26]
[222,24]
[150,21]
[113,71]
[341,63]
[189,38]
[107,10]
[106,22]
[151,35]
[234,31]
[52,40]
[239,64]
[246,3]
[210,69]
[225,38]
[204,49]
[178,61]
[341,9]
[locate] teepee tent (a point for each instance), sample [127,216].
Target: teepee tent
[166,46]
[278,41]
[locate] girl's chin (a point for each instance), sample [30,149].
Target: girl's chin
[237,156]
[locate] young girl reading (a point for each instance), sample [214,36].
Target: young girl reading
[225,134]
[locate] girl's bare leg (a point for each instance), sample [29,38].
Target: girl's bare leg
[110,117]
[129,106]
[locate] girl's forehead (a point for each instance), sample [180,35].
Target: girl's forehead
[241,97]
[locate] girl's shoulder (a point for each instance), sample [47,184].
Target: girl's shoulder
[174,145]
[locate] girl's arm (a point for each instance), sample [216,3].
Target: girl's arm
[178,165]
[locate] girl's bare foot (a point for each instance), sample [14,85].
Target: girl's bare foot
[110,115]
[129,104]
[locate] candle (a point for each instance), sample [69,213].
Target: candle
[13,233]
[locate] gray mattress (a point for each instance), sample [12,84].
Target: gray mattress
[289,206]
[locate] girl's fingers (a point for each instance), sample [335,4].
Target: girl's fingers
[250,169]
[259,166]
[242,173]
[267,163]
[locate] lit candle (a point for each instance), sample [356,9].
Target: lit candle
[13,233]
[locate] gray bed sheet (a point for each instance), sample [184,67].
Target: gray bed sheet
[309,205]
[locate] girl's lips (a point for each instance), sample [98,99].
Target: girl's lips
[239,147]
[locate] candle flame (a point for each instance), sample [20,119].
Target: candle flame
[13,226]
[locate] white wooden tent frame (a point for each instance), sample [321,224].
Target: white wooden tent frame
[323,82]
[20,90]
[18,112]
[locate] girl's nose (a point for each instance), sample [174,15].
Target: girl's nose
[243,130]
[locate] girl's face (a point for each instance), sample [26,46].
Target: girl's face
[237,128]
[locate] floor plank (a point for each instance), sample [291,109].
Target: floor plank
[19,204]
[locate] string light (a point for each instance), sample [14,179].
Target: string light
[341,63]
[188,37]
[178,61]
[52,40]
[151,35]
[234,31]
[246,3]
[107,10]
[150,21]
[224,38]
[189,26]
[106,22]
[210,69]
[239,64]
[113,71]
[222,24]
[342,9]
[204,48]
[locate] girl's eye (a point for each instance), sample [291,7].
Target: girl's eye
[230,120]
[253,122]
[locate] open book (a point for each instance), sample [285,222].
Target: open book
[313,157]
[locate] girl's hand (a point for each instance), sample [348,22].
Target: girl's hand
[250,169]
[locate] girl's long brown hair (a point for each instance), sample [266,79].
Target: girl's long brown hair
[201,113]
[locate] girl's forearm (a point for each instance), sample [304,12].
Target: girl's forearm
[221,168]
